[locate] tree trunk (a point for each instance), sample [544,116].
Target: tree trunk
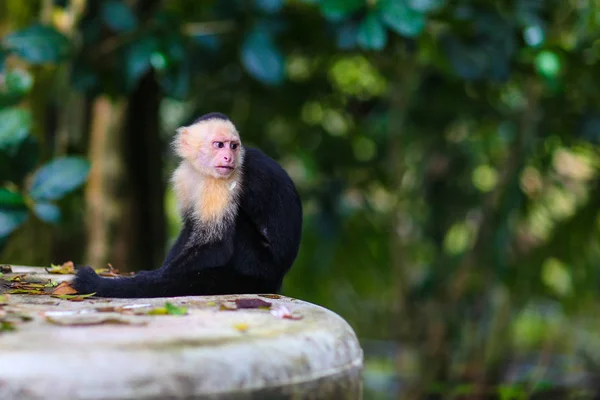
[105,192]
[143,157]
[124,194]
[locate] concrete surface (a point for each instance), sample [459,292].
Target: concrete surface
[93,349]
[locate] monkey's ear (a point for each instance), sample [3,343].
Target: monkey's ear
[182,142]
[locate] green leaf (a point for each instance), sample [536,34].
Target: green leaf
[83,77]
[118,16]
[7,326]
[11,220]
[17,83]
[14,128]
[269,6]
[400,18]
[38,44]
[338,9]
[467,61]
[262,59]
[346,36]
[47,212]
[174,310]
[425,5]
[59,177]
[371,33]
[18,162]
[137,60]
[547,64]
[2,60]
[11,199]
[176,81]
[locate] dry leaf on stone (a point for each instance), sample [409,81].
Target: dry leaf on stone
[73,297]
[5,269]
[26,289]
[110,271]
[16,278]
[242,327]
[7,326]
[64,288]
[270,296]
[227,307]
[4,299]
[281,311]
[252,303]
[172,309]
[107,309]
[10,319]
[63,269]
[168,309]
[28,286]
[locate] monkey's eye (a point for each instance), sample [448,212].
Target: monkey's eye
[234,146]
[218,145]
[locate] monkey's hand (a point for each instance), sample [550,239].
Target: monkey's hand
[86,280]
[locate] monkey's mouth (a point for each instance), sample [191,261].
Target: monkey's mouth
[224,169]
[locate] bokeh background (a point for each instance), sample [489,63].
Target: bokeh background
[446,153]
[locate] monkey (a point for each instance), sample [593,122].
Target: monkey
[241,221]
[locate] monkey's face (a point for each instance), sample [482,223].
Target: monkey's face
[212,147]
[224,150]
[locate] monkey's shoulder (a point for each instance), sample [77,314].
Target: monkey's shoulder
[263,171]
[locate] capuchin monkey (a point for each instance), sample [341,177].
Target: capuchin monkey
[242,222]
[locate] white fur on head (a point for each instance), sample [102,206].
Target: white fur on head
[210,200]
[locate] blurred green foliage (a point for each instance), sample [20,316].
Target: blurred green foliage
[446,153]
[27,190]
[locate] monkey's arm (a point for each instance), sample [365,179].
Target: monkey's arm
[144,284]
[272,206]
[186,271]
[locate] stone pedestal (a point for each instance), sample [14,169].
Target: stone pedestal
[113,349]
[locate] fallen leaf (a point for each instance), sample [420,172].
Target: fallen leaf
[29,286]
[242,327]
[252,303]
[17,278]
[5,269]
[34,278]
[270,296]
[158,311]
[226,307]
[175,310]
[32,291]
[281,311]
[67,268]
[168,309]
[6,326]
[73,297]
[4,299]
[64,288]
[21,316]
[22,287]
[106,309]
[109,272]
